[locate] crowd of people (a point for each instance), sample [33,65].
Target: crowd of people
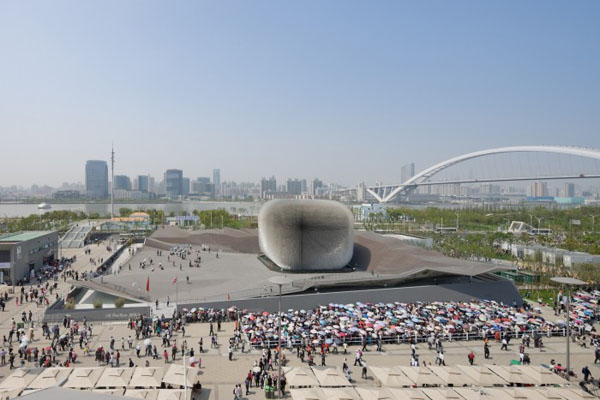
[339,324]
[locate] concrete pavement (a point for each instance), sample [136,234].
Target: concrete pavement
[218,375]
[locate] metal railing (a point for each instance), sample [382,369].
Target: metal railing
[405,339]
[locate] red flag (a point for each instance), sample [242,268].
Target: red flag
[148,285]
[228,296]
[174,280]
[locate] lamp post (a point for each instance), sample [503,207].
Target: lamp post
[279,280]
[530,220]
[539,221]
[457,222]
[568,282]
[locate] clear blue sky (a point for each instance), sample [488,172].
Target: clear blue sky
[343,90]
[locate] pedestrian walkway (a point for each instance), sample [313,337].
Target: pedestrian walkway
[163,309]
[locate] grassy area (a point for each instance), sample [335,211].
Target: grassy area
[547,295]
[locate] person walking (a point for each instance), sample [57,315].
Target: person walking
[247,382]
[357,357]
[587,374]
[504,344]
[471,357]
[486,351]
[440,358]
[237,392]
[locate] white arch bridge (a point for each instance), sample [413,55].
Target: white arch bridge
[386,193]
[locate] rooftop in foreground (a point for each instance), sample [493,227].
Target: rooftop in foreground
[23,236]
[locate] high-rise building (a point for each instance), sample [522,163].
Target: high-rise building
[217,181]
[315,185]
[122,182]
[539,189]
[407,171]
[294,186]
[142,183]
[185,186]
[267,186]
[568,190]
[303,186]
[203,187]
[489,189]
[96,179]
[361,192]
[151,184]
[173,182]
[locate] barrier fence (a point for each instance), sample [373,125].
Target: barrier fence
[404,339]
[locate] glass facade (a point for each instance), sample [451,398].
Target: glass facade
[96,179]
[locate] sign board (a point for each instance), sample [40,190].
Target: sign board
[575,222]
[4,265]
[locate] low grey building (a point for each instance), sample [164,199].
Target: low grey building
[23,252]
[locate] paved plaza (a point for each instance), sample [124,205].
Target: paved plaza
[218,375]
[212,280]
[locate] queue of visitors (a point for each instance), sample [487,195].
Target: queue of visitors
[362,323]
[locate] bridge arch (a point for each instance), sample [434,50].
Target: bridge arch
[431,171]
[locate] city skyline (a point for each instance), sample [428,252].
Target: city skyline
[299,90]
[175,183]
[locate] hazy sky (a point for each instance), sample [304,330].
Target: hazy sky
[346,91]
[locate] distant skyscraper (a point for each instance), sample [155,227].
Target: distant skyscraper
[142,183]
[151,184]
[315,185]
[185,186]
[173,182]
[122,182]
[294,186]
[539,189]
[217,180]
[267,186]
[407,171]
[568,190]
[203,187]
[303,186]
[96,179]
[361,192]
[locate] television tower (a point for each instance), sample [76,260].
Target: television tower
[112,180]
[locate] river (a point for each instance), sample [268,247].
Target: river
[12,210]
[23,210]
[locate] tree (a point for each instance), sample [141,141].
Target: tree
[588,273]
[119,302]
[125,211]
